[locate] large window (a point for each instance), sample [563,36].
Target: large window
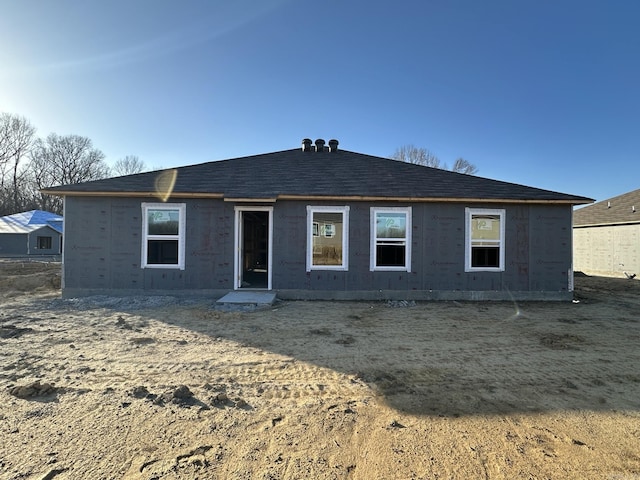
[163,226]
[391,239]
[485,240]
[327,238]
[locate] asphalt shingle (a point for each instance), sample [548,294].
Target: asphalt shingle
[296,173]
[623,208]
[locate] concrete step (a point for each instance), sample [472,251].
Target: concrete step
[247,298]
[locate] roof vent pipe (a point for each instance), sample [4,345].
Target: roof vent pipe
[333,145]
[306,144]
[320,145]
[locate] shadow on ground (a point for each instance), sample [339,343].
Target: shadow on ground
[439,358]
[457,358]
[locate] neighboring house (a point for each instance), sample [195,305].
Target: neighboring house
[317,223]
[607,236]
[30,233]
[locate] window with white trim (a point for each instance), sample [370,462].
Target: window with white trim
[327,238]
[163,235]
[484,239]
[391,239]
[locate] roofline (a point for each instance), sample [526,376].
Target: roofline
[357,198]
[250,200]
[29,229]
[71,193]
[607,224]
[425,199]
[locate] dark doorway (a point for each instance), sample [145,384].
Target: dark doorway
[255,249]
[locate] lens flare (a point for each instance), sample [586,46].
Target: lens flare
[165,182]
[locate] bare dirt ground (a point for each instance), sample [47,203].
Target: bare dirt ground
[167,388]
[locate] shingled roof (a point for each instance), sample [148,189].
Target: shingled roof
[622,209]
[309,174]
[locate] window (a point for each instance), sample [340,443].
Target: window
[327,238]
[163,227]
[44,243]
[485,240]
[391,239]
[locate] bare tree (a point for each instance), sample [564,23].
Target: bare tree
[128,165]
[463,166]
[16,138]
[419,156]
[63,160]
[422,156]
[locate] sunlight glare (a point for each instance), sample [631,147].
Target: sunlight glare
[165,181]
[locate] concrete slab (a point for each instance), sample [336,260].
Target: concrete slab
[248,298]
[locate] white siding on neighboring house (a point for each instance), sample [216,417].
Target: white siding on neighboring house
[609,250]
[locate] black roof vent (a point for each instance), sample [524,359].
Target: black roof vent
[333,145]
[320,145]
[306,144]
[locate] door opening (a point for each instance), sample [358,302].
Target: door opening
[254,249]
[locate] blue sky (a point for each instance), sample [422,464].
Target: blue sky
[538,92]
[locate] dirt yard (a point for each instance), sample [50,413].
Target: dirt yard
[166,388]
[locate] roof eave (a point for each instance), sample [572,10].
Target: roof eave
[74,193]
[606,224]
[357,198]
[363,198]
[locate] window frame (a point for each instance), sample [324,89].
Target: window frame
[314,231]
[469,214]
[180,237]
[44,239]
[373,251]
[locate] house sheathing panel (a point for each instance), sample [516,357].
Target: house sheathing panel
[607,250]
[607,236]
[102,254]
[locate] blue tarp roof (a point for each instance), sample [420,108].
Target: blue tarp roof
[26,222]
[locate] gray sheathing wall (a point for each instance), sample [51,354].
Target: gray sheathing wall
[608,250]
[538,256]
[103,250]
[20,244]
[44,232]
[13,244]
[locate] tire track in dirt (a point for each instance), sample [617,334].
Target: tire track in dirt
[330,390]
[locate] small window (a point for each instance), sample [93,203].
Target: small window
[391,239]
[44,243]
[485,240]
[327,238]
[163,231]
